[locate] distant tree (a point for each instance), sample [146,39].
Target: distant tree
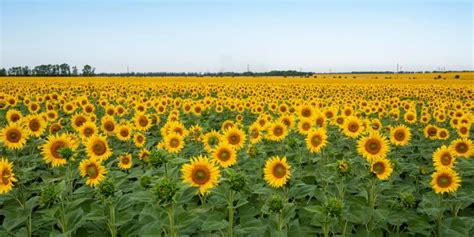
[74,71]
[64,69]
[3,72]
[88,71]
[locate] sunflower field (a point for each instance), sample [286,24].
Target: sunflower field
[201,156]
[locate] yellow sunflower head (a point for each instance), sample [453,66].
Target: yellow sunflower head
[462,147]
[224,155]
[125,161]
[316,140]
[201,173]
[381,167]
[235,137]
[173,143]
[97,148]
[277,131]
[139,139]
[400,135]
[444,157]
[7,176]
[276,171]
[51,150]
[123,132]
[93,171]
[87,130]
[352,127]
[373,146]
[445,180]
[13,136]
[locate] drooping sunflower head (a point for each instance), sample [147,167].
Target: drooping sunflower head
[93,171]
[445,180]
[373,146]
[462,147]
[13,136]
[201,173]
[125,161]
[7,176]
[316,140]
[97,148]
[235,137]
[444,157]
[224,155]
[381,167]
[276,171]
[400,135]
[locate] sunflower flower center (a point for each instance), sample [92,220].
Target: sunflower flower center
[446,159]
[224,155]
[99,148]
[279,171]
[378,168]
[201,176]
[174,143]
[92,171]
[34,125]
[461,148]
[372,146]
[278,131]
[316,140]
[353,127]
[13,135]
[444,181]
[6,174]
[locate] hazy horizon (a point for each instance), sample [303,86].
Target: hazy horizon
[219,35]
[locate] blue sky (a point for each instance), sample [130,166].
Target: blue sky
[220,35]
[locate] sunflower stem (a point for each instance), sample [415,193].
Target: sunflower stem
[439,220]
[326,229]
[231,213]
[170,211]
[112,225]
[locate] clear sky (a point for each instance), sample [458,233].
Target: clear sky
[220,35]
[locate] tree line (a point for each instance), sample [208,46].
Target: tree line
[48,70]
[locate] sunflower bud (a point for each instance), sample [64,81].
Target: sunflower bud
[49,194]
[275,204]
[407,200]
[343,167]
[237,181]
[334,207]
[106,189]
[157,158]
[145,181]
[165,190]
[423,170]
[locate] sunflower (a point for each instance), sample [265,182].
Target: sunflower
[139,139]
[235,137]
[316,140]
[444,157]
[400,135]
[201,173]
[276,171]
[224,155]
[306,111]
[381,167]
[7,175]
[462,147]
[142,122]
[13,116]
[108,124]
[430,131]
[445,180]
[352,127]
[13,136]
[255,133]
[210,140]
[463,130]
[51,149]
[144,154]
[410,117]
[443,134]
[277,131]
[35,125]
[54,128]
[173,143]
[88,129]
[78,120]
[125,161]
[123,132]
[93,171]
[97,148]
[305,125]
[373,146]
